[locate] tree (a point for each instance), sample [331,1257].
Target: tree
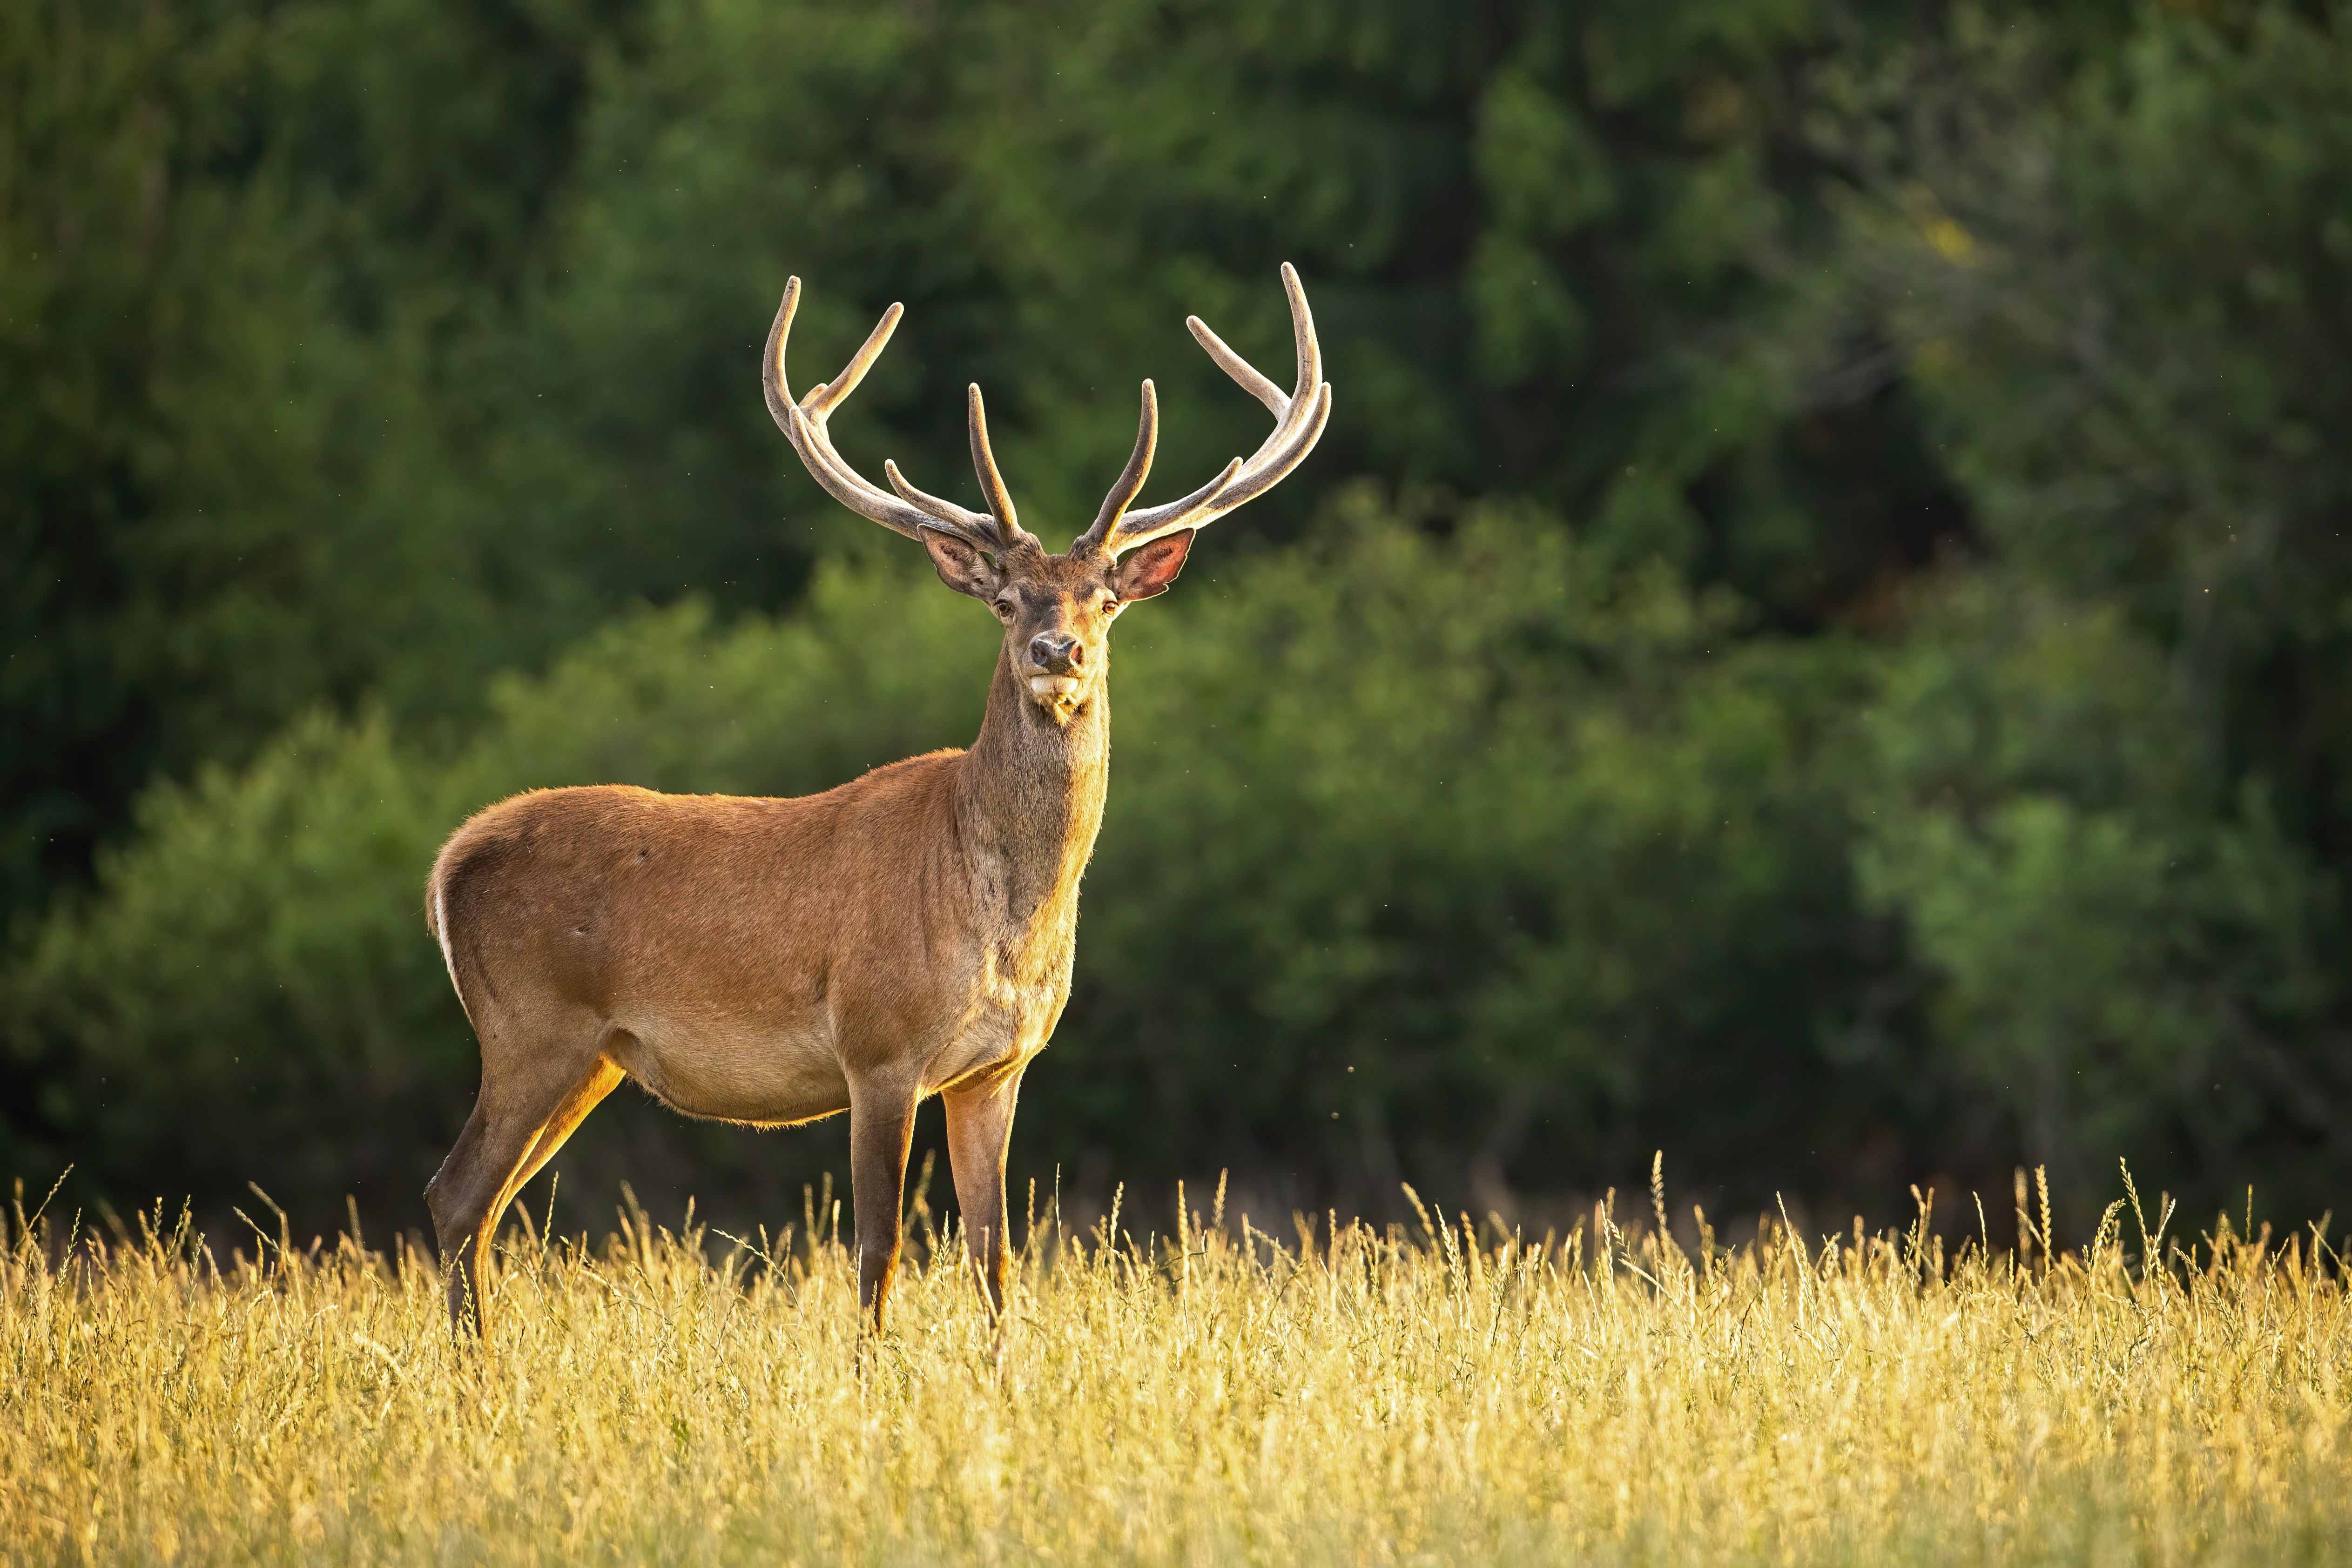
[230,483]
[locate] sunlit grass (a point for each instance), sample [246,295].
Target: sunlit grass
[1442,1396]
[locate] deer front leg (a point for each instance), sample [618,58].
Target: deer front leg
[881,1125]
[980,1130]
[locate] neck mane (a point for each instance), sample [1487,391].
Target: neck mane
[1030,800]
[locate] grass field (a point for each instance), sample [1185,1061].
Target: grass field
[1442,1395]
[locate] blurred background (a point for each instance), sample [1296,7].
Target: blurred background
[1816,642]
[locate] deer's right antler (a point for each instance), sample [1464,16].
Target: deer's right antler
[803,423]
[1299,420]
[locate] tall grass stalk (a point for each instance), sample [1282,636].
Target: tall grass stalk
[1449,1395]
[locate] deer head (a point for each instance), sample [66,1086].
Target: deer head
[1056,610]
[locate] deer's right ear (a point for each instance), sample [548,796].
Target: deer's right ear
[961,567]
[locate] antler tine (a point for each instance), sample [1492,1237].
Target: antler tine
[984,464]
[1302,330]
[772,380]
[1300,418]
[946,511]
[1131,481]
[824,399]
[803,424]
[1262,473]
[1276,401]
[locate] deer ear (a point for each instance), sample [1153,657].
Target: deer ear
[1148,571]
[962,566]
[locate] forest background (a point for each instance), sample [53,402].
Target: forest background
[1817,639]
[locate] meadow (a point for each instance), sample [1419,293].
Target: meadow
[1442,1393]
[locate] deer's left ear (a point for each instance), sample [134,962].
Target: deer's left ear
[1144,573]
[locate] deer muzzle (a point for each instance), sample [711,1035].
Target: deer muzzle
[1050,654]
[1056,666]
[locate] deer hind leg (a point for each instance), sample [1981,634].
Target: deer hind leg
[516,1128]
[881,1125]
[980,1130]
[585,1096]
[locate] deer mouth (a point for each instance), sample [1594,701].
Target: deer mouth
[1050,687]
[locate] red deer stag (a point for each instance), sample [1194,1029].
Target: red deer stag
[911,933]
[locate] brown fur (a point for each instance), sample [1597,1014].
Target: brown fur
[773,961]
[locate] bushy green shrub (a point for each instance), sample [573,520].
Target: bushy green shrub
[2126,970]
[246,997]
[1457,859]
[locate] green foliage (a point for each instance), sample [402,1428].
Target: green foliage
[1551,258]
[1428,855]
[230,487]
[878,664]
[126,482]
[1853,689]
[2118,817]
[2130,972]
[254,956]
[363,347]
[2122,298]
[2130,311]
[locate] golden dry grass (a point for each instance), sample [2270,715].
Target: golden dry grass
[1209,1397]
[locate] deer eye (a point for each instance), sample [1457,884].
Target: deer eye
[1004,608]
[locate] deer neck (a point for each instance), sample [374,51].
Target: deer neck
[1031,803]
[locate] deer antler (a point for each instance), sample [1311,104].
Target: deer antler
[803,423]
[1299,417]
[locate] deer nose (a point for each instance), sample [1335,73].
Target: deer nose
[1055,655]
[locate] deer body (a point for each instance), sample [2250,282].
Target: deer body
[723,946]
[773,961]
